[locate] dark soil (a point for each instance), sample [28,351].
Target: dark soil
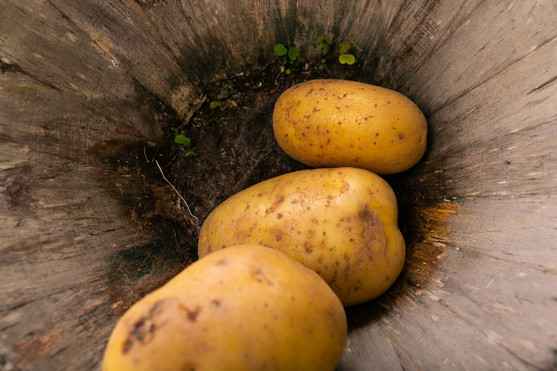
[232,137]
[233,142]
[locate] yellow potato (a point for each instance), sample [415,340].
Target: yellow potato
[333,123]
[242,308]
[340,222]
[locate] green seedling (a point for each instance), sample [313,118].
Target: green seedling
[182,139]
[280,50]
[223,105]
[184,143]
[324,44]
[345,57]
[289,56]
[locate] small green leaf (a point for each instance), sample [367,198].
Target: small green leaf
[280,50]
[191,154]
[323,60]
[320,39]
[232,103]
[320,67]
[214,104]
[293,53]
[174,129]
[281,68]
[182,139]
[288,71]
[346,59]
[344,47]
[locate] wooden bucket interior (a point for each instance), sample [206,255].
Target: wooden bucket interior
[87,78]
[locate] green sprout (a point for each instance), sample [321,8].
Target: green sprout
[345,57]
[223,105]
[324,44]
[280,50]
[289,57]
[184,143]
[182,139]
[293,53]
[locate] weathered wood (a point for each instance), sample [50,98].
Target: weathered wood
[82,81]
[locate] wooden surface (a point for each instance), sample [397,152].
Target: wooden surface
[81,80]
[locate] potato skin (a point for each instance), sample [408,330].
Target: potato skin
[242,308]
[334,123]
[341,223]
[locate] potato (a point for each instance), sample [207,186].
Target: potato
[242,308]
[334,123]
[340,222]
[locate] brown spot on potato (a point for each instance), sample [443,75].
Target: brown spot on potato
[279,216]
[400,136]
[335,272]
[278,200]
[348,266]
[308,248]
[261,277]
[143,330]
[278,237]
[372,226]
[192,314]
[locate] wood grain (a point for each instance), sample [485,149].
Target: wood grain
[81,79]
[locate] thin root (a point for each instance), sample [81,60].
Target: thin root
[178,193]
